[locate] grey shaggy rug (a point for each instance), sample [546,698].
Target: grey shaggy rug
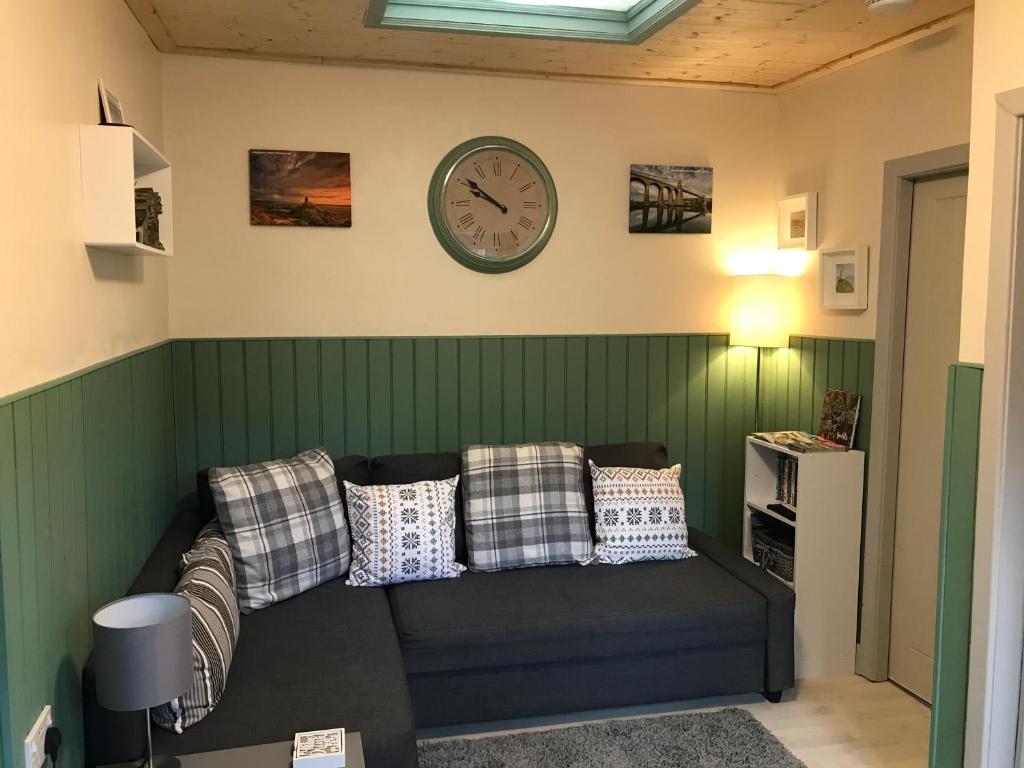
[730,738]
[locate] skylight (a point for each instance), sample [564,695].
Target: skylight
[599,5]
[607,21]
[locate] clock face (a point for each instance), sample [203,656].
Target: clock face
[492,204]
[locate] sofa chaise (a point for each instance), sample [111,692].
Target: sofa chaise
[486,646]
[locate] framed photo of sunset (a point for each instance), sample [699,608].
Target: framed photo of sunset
[299,189]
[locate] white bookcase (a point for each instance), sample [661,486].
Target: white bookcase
[826,573]
[115,161]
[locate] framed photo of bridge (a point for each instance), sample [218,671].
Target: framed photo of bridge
[670,199]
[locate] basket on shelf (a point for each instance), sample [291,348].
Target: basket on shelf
[773,548]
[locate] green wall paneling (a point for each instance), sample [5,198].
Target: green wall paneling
[239,401]
[956,564]
[86,489]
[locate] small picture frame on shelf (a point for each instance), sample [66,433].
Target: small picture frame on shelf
[843,277]
[798,221]
[111,110]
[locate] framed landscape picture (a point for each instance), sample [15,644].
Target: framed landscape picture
[843,277]
[798,221]
[674,199]
[299,189]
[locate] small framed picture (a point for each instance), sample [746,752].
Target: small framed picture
[798,221]
[843,277]
[111,111]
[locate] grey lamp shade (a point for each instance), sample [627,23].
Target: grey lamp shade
[142,651]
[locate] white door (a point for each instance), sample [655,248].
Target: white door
[932,344]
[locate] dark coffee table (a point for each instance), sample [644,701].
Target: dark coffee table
[262,756]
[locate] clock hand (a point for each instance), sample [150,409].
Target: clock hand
[478,192]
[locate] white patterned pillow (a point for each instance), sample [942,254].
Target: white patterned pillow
[639,514]
[402,532]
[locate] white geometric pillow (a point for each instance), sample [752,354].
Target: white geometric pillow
[639,514]
[402,532]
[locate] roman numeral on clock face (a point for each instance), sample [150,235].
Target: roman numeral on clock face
[496,240]
[479,171]
[496,166]
[525,222]
[531,205]
[478,235]
[466,220]
[514,238]
[526,186]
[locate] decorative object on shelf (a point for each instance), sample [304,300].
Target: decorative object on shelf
[798,441]
[148,207]
[798,221]
[299,189]
[142,646]
[670,198]
[839,414]
[843,277]
[492,204]
[773,546]
[111,111]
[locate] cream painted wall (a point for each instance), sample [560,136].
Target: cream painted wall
[387,275]
[61,308]
[838,132]
[998,67]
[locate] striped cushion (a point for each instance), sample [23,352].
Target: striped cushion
[208,583]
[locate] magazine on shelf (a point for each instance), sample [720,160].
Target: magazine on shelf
[319,749]
[795,440]
[839,414]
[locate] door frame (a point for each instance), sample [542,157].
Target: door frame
[899,177]
[997,620]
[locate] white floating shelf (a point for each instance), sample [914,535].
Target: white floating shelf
[116,160]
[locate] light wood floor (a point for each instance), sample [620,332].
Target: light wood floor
[850,722]
[845,722]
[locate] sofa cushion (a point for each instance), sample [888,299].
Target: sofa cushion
[286,526]
[208,583]
[400,469]
[554,614]
[639,514]
[327,658]
[402,532]
[645,455]
[525,506]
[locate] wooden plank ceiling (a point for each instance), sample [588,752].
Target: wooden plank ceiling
[750,44]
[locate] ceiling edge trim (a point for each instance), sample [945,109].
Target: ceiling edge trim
[885,46]
[459,70]
[149,19]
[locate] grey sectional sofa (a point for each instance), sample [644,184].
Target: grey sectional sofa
[486,646]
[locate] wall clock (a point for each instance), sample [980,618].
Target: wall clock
[492,204]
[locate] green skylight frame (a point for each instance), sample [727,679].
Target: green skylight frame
[495,17]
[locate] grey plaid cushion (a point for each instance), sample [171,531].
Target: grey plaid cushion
[524,505]
[285,524]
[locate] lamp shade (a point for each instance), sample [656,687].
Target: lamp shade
[142,651]
[760,311]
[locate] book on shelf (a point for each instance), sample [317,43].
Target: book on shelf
[786,480]
[840,411]
[319,749]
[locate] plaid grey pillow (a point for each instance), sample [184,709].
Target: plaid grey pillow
[524,505]
[285,524]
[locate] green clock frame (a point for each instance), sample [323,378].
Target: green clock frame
[435,205]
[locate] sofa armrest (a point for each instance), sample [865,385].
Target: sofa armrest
[781,600]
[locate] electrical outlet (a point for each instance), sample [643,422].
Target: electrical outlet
[35,742]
